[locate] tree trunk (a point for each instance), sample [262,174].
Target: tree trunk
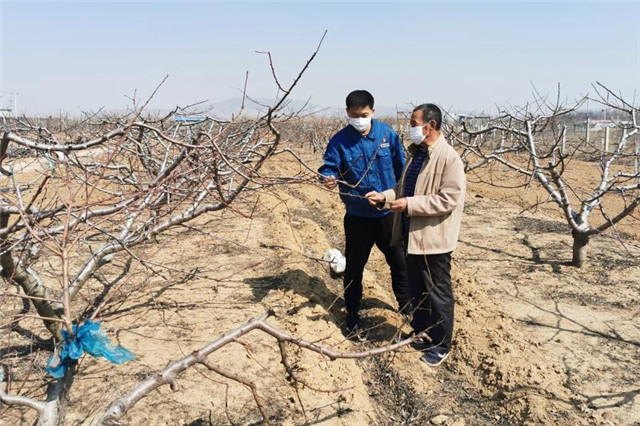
[31,285]
[55,410]
[580,242]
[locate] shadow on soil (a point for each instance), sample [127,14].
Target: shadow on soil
[316,292]
[535,257]
[536,225]
[557,311]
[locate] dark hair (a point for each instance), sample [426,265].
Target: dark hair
[359,99]
[430,112]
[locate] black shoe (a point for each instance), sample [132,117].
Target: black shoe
[353,322]
[434,356]
[353,326]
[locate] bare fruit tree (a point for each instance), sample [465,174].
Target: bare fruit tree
[534,142]
[86,193]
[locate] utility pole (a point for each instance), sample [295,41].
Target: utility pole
[11,103]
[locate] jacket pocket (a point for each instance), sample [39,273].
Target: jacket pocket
[385,170]
[383,152]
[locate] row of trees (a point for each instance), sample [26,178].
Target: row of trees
[107,187]
[532,142]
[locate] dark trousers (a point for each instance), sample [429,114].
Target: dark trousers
[361,234]
[430,290]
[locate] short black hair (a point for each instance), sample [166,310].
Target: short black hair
[430,112]
[359,99]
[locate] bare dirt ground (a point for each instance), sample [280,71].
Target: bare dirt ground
[536,341]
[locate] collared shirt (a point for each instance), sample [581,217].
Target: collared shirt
[411,177]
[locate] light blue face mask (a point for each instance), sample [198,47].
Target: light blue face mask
[415,134]
[360,124]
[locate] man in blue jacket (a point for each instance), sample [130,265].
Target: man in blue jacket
[365,156]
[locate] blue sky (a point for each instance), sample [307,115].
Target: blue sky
[72,56]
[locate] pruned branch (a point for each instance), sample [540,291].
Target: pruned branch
[169,374]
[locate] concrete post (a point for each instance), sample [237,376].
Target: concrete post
[637,161]
[588,120]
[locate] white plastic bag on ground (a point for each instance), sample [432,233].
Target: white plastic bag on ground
[337,261]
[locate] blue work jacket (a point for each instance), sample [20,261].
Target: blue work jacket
[362,164]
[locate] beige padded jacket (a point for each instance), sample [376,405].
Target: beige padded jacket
[435,211]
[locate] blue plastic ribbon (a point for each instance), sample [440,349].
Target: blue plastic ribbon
[85,338]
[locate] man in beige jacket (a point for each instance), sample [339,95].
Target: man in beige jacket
[428,201]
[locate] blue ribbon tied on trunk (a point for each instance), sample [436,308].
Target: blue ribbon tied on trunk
[88,338]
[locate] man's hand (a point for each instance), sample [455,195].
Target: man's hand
[375,198]
[329,182]
[399,205]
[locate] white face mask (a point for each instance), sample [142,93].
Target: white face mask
[415,134]
[360,124]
